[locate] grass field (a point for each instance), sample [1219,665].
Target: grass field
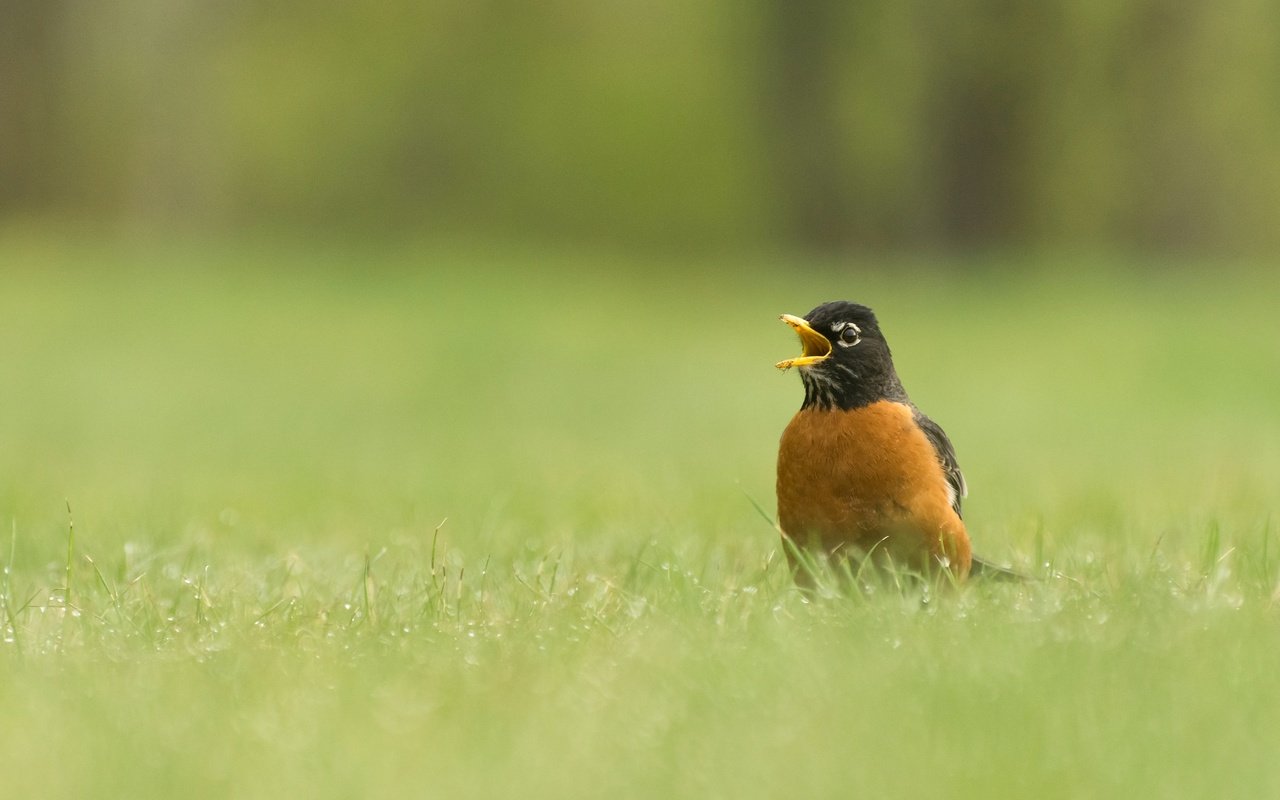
[430,522]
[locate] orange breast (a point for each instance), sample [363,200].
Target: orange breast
[868,480]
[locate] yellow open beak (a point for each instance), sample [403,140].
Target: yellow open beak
[816,346]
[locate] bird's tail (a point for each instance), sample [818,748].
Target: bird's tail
[988,571]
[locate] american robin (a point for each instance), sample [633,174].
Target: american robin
[861,471]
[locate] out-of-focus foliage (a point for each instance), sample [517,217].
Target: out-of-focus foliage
[1148,123]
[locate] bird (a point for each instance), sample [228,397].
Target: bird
[862,472]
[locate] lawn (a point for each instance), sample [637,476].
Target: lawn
[426,521]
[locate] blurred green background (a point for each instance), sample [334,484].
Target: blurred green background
[1147,125]
[285,284]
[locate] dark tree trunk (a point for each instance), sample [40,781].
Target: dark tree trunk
[800,121]
[29,61]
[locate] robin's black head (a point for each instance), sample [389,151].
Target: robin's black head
[846,361]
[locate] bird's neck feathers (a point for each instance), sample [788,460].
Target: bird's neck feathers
[835,385]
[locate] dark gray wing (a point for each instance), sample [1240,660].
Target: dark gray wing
[958,491]
[946,456]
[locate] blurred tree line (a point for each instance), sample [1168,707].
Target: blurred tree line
[877,124]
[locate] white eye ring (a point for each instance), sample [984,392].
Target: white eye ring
[845,329]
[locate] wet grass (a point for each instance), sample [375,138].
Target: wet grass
[372,521]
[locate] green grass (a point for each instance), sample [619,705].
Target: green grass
[380,521]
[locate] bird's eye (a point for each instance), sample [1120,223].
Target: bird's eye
[851,335]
